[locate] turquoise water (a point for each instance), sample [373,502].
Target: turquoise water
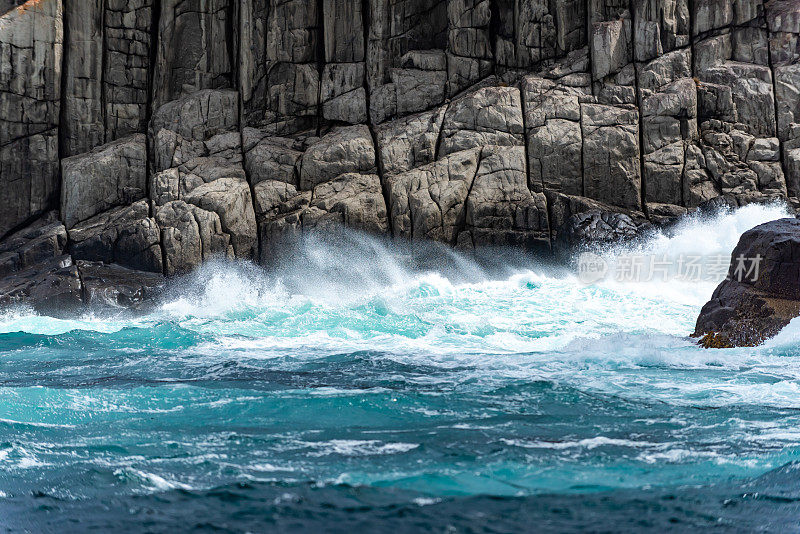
[372,385]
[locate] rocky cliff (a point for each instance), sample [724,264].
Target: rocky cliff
[154,134]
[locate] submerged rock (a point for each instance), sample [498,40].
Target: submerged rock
[762,291]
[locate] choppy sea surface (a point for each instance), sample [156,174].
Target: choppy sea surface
[368,386]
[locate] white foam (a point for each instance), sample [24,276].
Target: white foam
[34,424]
[354,447]
[587,443]
[367,294]
[151,479]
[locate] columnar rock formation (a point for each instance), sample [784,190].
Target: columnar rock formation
[165,132]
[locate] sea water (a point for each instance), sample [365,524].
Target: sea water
[378,386]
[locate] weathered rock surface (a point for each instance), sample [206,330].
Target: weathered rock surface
[111,285]
[37,270]
[106,72]
[30,101]
[180,130]
[319,183]
[52,286]
[111,175]
[43,240]
[125,235]
[759,297]
[199,191]
[596,229]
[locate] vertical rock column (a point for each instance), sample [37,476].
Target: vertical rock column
[532,31]
[128,30]
[783,22]
[83,114]
[106,72]
[343,93]
[667,98]
[287,100]
[736,101]
[30,89]
[194,48]
[469,46]
[252,58]
[610,124]
[406,63]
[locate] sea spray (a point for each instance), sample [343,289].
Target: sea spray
[409,370]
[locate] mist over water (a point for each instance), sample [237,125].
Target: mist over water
[412,374]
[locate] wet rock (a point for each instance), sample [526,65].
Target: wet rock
[428,202]
[353,200]
[42,241]
[113,285]
[761,293]
[470,198]
[500,208]
[596,229]
[189,236]
[325,183]
[230,199]
[201,185]
[52,287]
[612,172]
[472,122]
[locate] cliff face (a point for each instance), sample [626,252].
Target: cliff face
[165,132]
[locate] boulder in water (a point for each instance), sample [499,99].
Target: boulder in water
[762,291]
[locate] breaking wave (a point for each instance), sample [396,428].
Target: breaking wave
[422,373]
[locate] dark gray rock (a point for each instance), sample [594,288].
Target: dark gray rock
[612,172]
[111,175]
[30,98]
[52,287]
[125,235]
[113,285]
[595,230]
[752,306]
[107,67]
[193,48]
[473,122]
[43,240]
